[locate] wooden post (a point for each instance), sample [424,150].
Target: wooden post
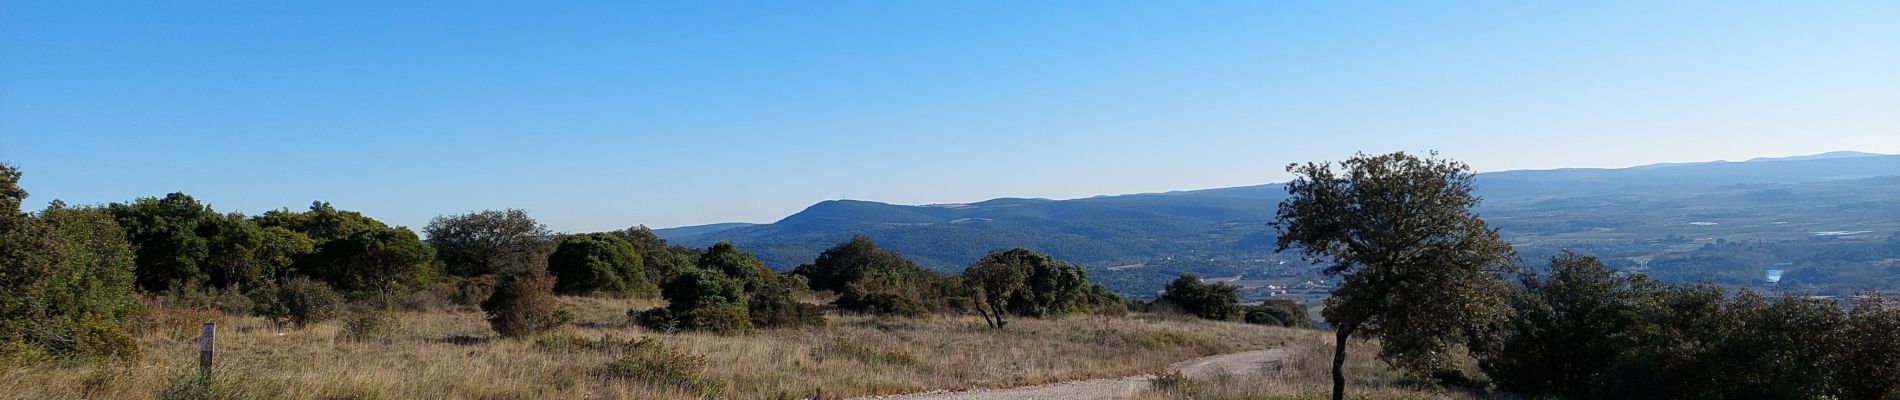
[204,348]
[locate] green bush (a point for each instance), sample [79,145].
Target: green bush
[1279,312]
[775,307]
[881,293]
[307,301]
[724,319]
[1210,301]
[524,305]
[598,262]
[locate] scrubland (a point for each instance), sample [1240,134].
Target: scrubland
[452,353]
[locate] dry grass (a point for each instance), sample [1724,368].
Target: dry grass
[453,354]
[1308,375]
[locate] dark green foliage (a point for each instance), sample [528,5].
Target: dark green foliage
[660,259]
[1418,268]
[1568,329]
[1867,365]
[725,319]
[524,304]
[699,288]
[1586,332]
[500,242]
[1054,287]
[171,251]
[775,307]
[598,262]
[65,281]
[737,265]
[1099,300]
[1279,312]
[885,292]
[305,301]
[700,300]
[1023,282]
[372,261]
[851,261]
[1216,301]
[349,251]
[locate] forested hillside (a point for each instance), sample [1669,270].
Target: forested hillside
[1837,207]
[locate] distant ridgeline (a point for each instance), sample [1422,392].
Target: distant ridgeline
[1829,222]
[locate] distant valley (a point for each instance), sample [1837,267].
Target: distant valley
[1829,222]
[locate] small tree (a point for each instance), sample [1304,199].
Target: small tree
[1416,266]
[993,281]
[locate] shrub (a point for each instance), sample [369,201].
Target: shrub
[366,324]
[524,305]
[741,267]
[881,293]
[1209,301]
[774,307]
[724,319]
[307,301]
[1279,312]
[598,262]
[657,318]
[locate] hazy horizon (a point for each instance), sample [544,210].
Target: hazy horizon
[597,117]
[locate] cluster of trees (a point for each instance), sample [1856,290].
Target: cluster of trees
[728,291]
[66,277]
[1220,301]
[1426,276]
[1585,331]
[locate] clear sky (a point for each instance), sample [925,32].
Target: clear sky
[602,115]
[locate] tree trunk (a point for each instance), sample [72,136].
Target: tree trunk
[985,312]
[1339,361]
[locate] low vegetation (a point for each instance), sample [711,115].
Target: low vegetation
[452,352]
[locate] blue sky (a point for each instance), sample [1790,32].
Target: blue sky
[602,115]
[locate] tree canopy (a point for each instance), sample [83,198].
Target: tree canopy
[1417,267]
[487,242]
[598,262]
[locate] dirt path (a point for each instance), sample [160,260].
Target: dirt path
[1236,363]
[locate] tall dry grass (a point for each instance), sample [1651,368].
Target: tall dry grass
[453,354]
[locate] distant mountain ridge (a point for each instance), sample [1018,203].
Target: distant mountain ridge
[1214,223]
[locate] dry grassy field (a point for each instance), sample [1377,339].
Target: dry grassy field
[453,354]
[1306,375]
